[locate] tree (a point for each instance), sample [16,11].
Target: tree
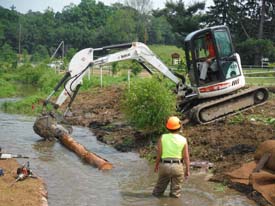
[120,27]
[249,20]
[40,54]
[7,54]
[160,31]
[2,34]
[255,48]
[183,20]
[143,8]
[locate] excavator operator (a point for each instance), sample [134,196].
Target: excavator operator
[211,56]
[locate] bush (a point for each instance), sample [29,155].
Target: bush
[7,54]
[29,105]
[148,103]
[7,89]
[39,75]
[252,48]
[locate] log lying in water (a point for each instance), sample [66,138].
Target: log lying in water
[51,129]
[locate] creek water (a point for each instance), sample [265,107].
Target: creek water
[71,182]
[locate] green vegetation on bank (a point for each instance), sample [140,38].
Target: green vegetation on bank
[7,89]
[149,103]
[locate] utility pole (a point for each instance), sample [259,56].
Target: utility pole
[19,43]
[61,44]
[58,64]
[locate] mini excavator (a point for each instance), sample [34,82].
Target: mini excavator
[220,93]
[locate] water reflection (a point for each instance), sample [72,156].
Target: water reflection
[45,149]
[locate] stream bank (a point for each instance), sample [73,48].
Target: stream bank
[31,192]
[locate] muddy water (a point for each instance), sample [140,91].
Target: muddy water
[71,182]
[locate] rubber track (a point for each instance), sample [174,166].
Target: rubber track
[195,116]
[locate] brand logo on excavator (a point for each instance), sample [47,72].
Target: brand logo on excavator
[235,82]
[125,55]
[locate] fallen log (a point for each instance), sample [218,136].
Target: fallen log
[48,128]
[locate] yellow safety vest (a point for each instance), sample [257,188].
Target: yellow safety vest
[172,146]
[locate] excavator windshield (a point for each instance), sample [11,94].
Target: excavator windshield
[223,43]
[227,59]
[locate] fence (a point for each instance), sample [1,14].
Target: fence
[254,75]
[259,75]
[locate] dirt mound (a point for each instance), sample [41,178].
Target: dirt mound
[99,106]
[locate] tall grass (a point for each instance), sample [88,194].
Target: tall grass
[7,89]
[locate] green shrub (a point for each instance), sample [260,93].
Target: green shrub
[29,105]
[148,103]
[48,80]
[7,89]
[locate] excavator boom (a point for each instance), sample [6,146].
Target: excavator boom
[84,59]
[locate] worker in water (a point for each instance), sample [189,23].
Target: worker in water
[172,149]
[211,55]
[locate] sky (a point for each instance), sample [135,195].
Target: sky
[23,6]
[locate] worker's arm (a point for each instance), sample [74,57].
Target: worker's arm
[159,153]
[186,160]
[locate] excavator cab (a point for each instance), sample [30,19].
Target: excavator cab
[211,58]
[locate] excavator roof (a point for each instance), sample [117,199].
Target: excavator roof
[190,36]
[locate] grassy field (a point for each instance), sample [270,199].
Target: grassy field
[260,77]
[164,53]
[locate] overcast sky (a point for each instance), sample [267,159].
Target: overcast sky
[24,6]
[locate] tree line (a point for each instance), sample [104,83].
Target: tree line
[94,24]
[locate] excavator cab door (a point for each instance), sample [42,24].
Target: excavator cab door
[210,56]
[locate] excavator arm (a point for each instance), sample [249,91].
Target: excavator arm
[84,59]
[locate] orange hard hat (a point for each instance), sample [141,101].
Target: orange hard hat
[173,123]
